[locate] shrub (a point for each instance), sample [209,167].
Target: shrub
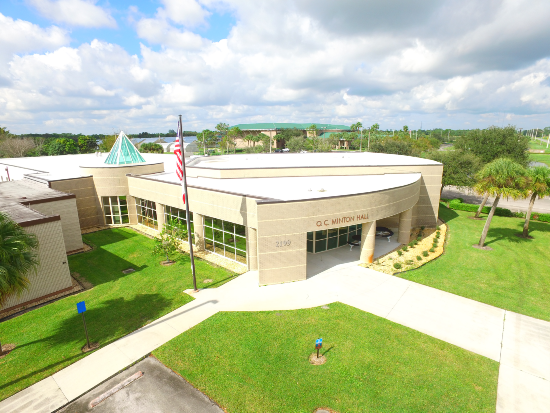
[419,258]
[409,262]
[438,228]
[422,227]
[459,205]
[415,242]
[405,248]
[425,253]
[432,249]
[438,235]
[419,238]
[543,217]
[396,265]
[411,244]
[400,253]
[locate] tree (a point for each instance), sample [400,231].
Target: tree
[107,142]
[18,258]
[296,144]
[500,178]
[172,132]
[375,127]
[395,146]
[405,128]
[62,146]
[208,139]
[151,148]
[87,144]
[13,147]
[538,185]
[496,142]
[234,133]
[459,167]
[167,242]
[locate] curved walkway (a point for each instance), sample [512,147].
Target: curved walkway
[521,344]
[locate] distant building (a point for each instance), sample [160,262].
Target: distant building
[324,130]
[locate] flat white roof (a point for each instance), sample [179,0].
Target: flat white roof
[301,160]
[296,188]
[68,166]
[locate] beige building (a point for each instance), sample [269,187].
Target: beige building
[274,213]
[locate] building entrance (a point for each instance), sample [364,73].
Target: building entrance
[329,239]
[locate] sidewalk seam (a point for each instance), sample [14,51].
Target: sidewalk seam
[397,302]
[502,337]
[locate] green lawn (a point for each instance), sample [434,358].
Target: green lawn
[538,145]
[50,338]
[540,157]
[514,276]
[258,362]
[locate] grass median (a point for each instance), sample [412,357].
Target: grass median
[258,362]
[50,338]
[515,275]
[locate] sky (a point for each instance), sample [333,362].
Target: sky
[98,66]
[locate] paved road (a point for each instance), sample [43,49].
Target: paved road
[541,205]
[519,343]
[159,390]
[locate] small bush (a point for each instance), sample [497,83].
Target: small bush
[419,258]
[419,238]
[411,244]
[438,228]
[438,235]
[422,227]
[396,265]
[432,249]
[425,253]
[405,248]
[415,242]
[400,253]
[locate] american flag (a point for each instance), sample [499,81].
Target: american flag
[178,149]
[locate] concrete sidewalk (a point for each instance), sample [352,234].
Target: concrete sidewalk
[520,343]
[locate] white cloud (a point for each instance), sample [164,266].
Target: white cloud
[445,63]
[82,13]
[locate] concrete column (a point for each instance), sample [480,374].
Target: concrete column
[198,229]
[160,215]
[252,248]
[405,220]
[368,234]
[132,212]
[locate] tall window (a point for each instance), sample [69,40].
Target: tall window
[324,240]
[175,215]
[225,238]
[115,209]
[147,213]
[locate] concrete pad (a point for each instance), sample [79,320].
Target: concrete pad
[42,397]
[87,373]
[381,299]
[353,281]
[159,390]
[521,392]
[143,341]
[526,344]
[457,320]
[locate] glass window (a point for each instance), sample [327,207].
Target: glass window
[320,245]
[321,234]
[115,209]
[147,213]
[225,238]
[175,216]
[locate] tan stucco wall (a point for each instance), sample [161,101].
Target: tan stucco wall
[424,213]
[112,181]
[290,221]
[233,208]
[53,273]
[70,224]
[86,199]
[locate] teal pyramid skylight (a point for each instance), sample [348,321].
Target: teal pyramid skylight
[123,152]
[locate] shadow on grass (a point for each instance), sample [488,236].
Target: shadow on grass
[446,214]
[508,234]
[109,236]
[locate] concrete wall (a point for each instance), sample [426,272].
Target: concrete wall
[67,210]
[232,208]
[86,199]
[53,274]
[280,222]
[112,181]
[424,213]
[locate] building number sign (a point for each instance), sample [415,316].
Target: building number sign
[285,243]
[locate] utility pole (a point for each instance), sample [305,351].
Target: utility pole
[361,141]
[368,148]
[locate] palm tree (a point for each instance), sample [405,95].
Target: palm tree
[17,258]
[500,178]
[538,186]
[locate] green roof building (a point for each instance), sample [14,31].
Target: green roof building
[124,152]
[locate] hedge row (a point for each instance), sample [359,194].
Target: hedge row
[458,203]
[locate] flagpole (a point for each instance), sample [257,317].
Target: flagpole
[188,220]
